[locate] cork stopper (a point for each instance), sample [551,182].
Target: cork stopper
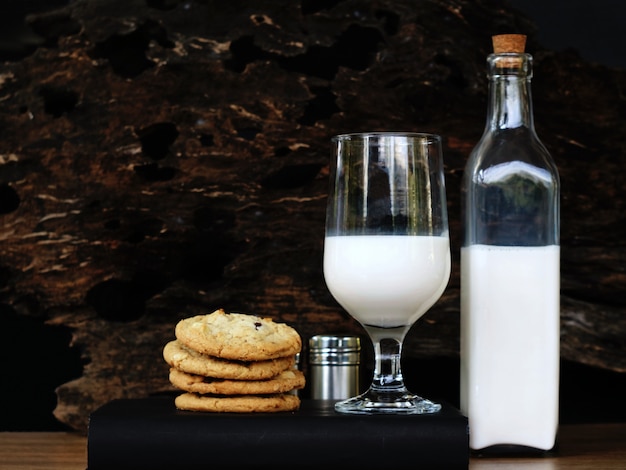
[511,44]
[503,43]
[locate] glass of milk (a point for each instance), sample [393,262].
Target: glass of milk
[387,250]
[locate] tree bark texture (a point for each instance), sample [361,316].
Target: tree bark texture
[164,158]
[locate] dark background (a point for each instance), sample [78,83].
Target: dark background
[594,29]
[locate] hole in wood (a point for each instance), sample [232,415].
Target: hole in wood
[156,139]
[248,133]
[292,176]
[323,106]
[355,48]
[9,199]
[58,100]
[207,140]
[153,172]
[127,52]
[116,300]
[125,300]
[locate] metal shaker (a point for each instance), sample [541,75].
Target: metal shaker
[334,363]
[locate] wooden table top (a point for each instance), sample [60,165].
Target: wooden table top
[581,446]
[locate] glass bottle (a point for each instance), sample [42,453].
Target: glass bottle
[510,269]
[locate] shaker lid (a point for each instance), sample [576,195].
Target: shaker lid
[335,342]
[334,350]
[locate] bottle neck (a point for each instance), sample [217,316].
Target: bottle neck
[510,103]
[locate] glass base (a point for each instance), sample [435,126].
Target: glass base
[387,402]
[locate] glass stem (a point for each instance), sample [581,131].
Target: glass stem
[387,392]
[388,352]
[387,371]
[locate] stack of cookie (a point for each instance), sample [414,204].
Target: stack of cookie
[234,362]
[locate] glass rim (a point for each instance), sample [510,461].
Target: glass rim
[429,137]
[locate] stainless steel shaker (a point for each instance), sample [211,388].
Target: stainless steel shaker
[334,363]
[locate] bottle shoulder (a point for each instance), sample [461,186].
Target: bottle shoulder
[510,145]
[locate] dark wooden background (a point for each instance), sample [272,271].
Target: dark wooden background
[163,158]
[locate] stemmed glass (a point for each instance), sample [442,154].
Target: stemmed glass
[387,250]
